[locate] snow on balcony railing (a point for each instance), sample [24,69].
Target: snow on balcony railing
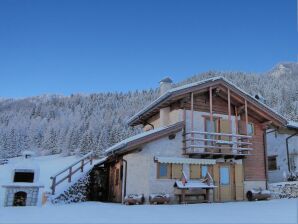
[69,171]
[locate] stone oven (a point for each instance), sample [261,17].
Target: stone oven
[24,188]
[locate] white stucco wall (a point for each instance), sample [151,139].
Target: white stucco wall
[142,170]
[276,146]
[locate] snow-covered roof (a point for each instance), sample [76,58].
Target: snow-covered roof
[170,92]
[144,135]
[195,184]
[292,124]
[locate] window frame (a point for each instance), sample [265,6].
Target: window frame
[220,175]
[169,171]
[269,159]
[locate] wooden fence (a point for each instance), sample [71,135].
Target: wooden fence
[68,172]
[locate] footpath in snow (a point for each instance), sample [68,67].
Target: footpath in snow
[273,211]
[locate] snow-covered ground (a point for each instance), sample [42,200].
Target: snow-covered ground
[273,211]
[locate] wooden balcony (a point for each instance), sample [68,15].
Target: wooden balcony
[216,145]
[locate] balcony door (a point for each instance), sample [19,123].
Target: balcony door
[211,127]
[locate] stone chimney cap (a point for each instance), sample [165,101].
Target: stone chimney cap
[166,80]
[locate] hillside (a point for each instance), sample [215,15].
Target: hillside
[78,123]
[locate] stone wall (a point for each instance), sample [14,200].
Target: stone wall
[32,195]
[284,189]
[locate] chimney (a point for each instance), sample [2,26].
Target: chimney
[165,85]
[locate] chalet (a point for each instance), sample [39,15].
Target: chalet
[205,128]
[282,147]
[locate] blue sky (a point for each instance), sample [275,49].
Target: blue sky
[69,46]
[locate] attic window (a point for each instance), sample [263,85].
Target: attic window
[27,177]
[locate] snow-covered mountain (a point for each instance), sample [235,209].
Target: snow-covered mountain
[289,68]
[80,123]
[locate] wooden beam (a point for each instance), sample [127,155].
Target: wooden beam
[184,127]
[246,116]
[192,114]
[236,120]
[229,113]
[210,107]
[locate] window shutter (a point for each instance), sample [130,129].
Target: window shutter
[177,171]
[195,171]
[224,128]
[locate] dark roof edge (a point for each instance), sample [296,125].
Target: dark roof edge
[174,128]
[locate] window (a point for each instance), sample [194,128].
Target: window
[272,164]
[164,171]
[250,129]
[204,171]
[224,175]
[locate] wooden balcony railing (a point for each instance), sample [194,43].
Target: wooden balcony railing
[216,144]
[69,171]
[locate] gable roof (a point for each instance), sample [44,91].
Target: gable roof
[174,93]
[142,138]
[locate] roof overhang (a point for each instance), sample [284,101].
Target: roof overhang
[127,145]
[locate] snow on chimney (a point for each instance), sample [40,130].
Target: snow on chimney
[165,85]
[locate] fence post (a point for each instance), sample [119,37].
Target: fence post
[82,165]
[53,185]
[69,175]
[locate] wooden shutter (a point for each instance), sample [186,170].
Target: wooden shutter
[177,171]
[242,127]
[195,171]
[239,182]
[224,128]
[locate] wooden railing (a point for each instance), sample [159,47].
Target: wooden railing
[213,141]
[68,172]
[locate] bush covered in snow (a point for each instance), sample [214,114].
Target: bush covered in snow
[78,192]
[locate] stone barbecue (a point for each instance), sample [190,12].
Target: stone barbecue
[21,195]
[24,188]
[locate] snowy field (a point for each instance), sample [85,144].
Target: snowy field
[273,211]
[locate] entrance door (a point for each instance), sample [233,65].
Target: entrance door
[224,181]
